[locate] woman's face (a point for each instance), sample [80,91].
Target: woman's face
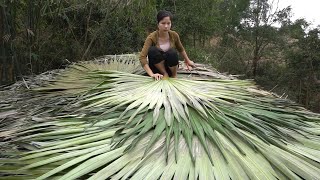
[165,24]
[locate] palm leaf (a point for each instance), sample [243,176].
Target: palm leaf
[107,121]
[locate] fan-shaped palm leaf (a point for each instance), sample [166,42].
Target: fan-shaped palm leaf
[119,125]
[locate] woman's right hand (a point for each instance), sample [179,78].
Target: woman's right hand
[157,76]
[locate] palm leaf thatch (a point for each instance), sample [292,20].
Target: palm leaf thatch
[104,120]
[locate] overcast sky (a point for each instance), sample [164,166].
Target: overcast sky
[308,9]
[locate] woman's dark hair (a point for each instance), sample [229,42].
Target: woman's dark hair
[162,14]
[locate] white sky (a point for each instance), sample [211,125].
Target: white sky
[308,9]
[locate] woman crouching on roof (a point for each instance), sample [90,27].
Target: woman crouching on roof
[161,47]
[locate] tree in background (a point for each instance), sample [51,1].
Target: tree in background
[258,28]
[303,60]
[229,49]
[49,34]
[250,36]
[44,35]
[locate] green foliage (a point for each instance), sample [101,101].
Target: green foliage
[45,33]
[232,12]
[304,65]
[59,32]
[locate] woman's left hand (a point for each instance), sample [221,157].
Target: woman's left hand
[190,64]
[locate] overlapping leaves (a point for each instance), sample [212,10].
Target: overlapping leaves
[129,126]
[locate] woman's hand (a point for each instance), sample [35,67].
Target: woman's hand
[190,64]
[157,76]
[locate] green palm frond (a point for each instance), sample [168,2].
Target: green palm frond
[69,84]
[117,124]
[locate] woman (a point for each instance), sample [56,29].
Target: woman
[161,47]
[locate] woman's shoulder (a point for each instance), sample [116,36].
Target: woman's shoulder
[174,33]
[153,34]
